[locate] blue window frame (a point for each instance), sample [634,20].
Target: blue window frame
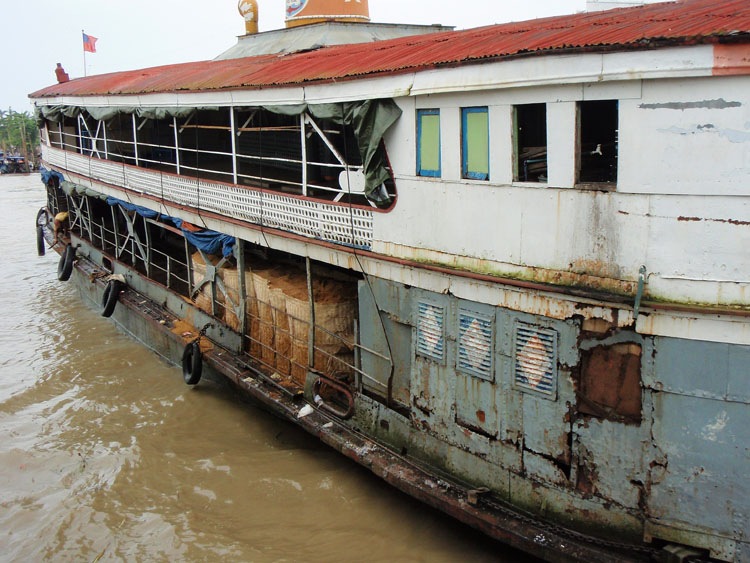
[428,142]
[475,132]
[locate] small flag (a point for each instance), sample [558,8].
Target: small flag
[89,43]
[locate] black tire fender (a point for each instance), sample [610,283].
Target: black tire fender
[40,240]
[42,219]
[110,297]
[65,265]
[192,363]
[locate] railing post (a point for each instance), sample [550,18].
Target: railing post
[240,249]
[135,139]
[189,263]
[176,145]
[80,137]
[311,328]
[106,144]
[114,231]
[232,126]
[147,227]
[303,145]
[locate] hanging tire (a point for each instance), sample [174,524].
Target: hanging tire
[40,240]
[192,363]
[42,219]
[110,297]
[65,265]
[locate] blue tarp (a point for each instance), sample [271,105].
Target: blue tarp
[209,242]
[47,175]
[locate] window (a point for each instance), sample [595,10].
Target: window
[428,142]
[475,143]
[597,142]
[531,143]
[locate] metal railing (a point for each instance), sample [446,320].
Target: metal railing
[340,224]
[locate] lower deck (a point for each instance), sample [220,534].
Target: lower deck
[521,425]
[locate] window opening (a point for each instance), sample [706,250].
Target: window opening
[598,141]
[294,154]
[476,143]
[531,142]
[428,142]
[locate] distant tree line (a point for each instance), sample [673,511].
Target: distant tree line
[17,128]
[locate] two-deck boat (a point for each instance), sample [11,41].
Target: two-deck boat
[505,268]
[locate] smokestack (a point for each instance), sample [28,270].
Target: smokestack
[249,11]
[302,12]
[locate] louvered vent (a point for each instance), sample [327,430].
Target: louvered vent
[430,339]
[536,359]
[475,345]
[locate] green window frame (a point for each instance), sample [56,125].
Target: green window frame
[428,143]
[475,128]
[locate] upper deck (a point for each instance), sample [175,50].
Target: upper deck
[670,203]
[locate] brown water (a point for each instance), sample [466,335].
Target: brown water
[105,453]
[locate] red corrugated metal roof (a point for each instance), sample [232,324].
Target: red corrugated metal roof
[686,22]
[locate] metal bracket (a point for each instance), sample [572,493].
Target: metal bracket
[642,276]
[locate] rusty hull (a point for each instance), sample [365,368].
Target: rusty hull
[154,326]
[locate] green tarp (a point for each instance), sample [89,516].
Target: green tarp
[369,119]
[54,113]
[71,189]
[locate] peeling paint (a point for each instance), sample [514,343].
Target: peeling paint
[732,135]
[711,431]
[721,103]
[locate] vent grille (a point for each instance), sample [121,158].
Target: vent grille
[430,339]
[536,359]
[475,345]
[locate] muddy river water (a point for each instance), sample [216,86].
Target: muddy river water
[105,454]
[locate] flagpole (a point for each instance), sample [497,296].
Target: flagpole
[84,54]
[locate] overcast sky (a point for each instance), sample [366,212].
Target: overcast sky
[141,33]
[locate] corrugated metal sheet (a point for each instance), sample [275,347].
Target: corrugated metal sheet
[686,22]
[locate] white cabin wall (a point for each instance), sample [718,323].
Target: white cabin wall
[673,149]
[561,145]
[400,139]
[688,243]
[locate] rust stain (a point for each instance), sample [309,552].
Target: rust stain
[481,416]
[731,60]
[681,218]
[188,332]
[610,385]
